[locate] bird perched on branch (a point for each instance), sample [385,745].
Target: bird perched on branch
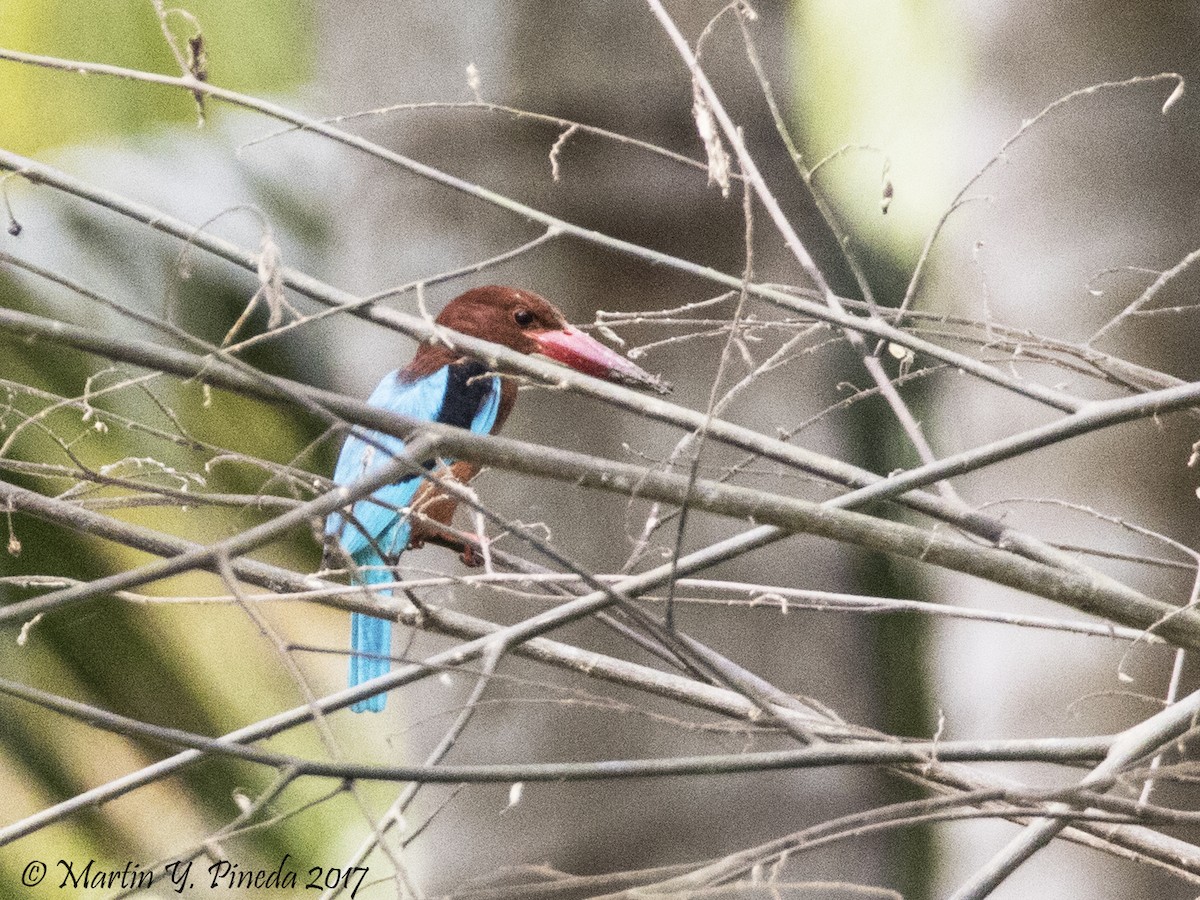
[442,385]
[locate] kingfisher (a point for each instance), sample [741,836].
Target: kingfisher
[443,385]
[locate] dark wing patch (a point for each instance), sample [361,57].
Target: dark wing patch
[466,391]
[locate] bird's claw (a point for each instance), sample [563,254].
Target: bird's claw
[471,557]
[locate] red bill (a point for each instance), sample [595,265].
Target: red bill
[584,353]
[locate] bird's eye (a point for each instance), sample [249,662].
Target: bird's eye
[523,317]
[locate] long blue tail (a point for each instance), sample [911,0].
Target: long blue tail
[372,636]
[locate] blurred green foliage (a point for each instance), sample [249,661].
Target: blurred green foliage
[155,663]
[263,47]
[876,74]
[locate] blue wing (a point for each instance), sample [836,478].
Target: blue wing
[363,455]
[378,528]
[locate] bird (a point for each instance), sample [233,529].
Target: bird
[443,385]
